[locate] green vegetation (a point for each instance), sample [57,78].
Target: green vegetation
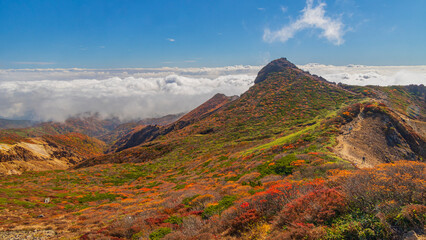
[159,233]
[357,226]
[187,200]
[218,208]
[267,169]
[280,167]
[174,220]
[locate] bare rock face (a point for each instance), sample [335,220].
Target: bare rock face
[379,137]
[38,155]
[411,235]
[278,65]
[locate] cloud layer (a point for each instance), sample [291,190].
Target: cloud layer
[312,17]
[55,94]
[369,75]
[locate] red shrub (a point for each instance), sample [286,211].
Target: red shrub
[315,207]
[244,221]
[156,221]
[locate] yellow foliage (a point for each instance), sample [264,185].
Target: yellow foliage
[203,200]
[257,232]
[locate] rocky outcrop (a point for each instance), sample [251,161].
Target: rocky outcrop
[36,154]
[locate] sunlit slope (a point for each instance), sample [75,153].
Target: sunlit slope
[276,163]
[285,102]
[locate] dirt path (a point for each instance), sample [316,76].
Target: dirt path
[346,148]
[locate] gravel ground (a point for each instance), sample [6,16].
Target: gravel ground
[27,235]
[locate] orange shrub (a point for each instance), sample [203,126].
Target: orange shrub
[402,182]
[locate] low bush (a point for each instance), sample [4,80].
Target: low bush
[218,208]
[281,166]
[411,217]
[316,207]
[159,233]
[358,225]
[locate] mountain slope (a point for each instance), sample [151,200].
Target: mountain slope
[267,165]
[54,145]
[379,135]
[125,130]
[6,123]
[50,152]
[288,101]
[151,132]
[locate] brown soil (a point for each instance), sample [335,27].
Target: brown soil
[373,137]
[35,156]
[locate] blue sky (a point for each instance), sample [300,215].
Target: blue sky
[125,33]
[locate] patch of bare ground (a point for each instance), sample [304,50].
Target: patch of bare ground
[27,235]
[371,139]
[36,156]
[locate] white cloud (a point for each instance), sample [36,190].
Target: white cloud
[132,93]
[65,74]
[312,17]
[55,94]
[369,75]
[170,39]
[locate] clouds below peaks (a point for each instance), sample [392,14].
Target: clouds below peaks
[312,17]
[55,94]
[369,75]
[129,94]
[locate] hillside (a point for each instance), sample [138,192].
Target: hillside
[151,132]
[282,161]
[285,103]
[6,123]
[49,152]
[127,128]
[59,146]
[87,124]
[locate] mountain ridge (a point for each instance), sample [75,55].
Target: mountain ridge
[293,157]
[259,100]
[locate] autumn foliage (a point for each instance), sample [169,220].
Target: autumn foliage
[261,166]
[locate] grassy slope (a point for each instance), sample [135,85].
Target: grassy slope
[281,126]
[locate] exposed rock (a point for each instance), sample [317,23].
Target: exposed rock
[40,155]
[411,235]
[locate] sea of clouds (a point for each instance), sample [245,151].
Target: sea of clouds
[56,94]
[369,75]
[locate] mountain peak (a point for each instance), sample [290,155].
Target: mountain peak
[278,65]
